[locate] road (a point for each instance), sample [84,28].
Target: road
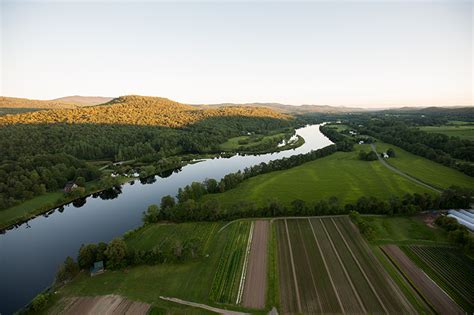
[396,170]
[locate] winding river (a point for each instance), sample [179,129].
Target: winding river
[31,253]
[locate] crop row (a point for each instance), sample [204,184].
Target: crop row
[448,267]
[227,278]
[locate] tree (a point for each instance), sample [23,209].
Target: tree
[151,215]
[87,256]
[391,152]
[80,181]
[68,270]
[116,254]
[39,302]
[167,202]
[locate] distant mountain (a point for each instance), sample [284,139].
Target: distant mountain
[138,110]
[84,100]
[458,110]
[14,102]
[296,109]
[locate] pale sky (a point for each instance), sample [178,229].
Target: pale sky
[351,53]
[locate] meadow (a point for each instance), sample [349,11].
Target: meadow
[341,174]
[462,130]
[427,171]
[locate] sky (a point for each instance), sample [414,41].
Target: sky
[346,53]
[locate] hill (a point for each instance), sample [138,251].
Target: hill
[14,102]
[84,100]
[138,110]
[295,109]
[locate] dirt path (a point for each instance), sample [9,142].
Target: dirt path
[256,279]
[396,170]
[442,303]
[108,304]
[203,306]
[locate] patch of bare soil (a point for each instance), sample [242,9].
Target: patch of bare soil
[442,303]
[108,304]
[256,278]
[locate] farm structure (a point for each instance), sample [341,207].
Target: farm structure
[463,217]
[325,266]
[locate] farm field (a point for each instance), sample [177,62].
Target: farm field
[341,174]
[423,169]
[155,235]
[449,268]
[190,280]
[227,286]
[463,131]
[404,230]
[324,268]
[432,293]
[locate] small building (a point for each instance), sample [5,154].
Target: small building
[70,186]
[97,269]
[361,142]
[352,132]
[385,155]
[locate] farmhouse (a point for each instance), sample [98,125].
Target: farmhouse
[70,186]
[385,155]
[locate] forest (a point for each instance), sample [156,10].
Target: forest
[43,156]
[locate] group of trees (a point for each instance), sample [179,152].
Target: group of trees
[434,146]
[457,233]
[367,156]
[30,176]
[212,210]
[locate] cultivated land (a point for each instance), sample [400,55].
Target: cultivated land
[109,304]
[427,171]
[256,277]
[461,130]
[228,283]
[325,266]
[341,174]
[190,280]
[449,268]
[439,300]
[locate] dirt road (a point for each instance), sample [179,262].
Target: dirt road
[442,303]
[203,306]
[256,279]
[396,170]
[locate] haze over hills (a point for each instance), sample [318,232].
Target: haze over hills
[296,109]
[63,102]
[138,110]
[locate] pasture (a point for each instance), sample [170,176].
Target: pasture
[325,266]
[461,130]
[427,171]
[341,174]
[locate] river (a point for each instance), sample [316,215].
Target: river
[31,253]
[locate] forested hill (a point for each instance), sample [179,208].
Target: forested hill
[14,102]
[138,110]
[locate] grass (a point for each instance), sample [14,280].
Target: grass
[449,268]
[404,230]
[232,144]
[453,130]
[153,235]
[423,169]
[229,270]
[191,280]
[341,174]
[273,292]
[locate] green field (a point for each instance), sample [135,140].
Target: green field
[449,268]
[228,274]
[233,144]
[189,280]
[341,174]
[404,230]
[463,131]
[423,169]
